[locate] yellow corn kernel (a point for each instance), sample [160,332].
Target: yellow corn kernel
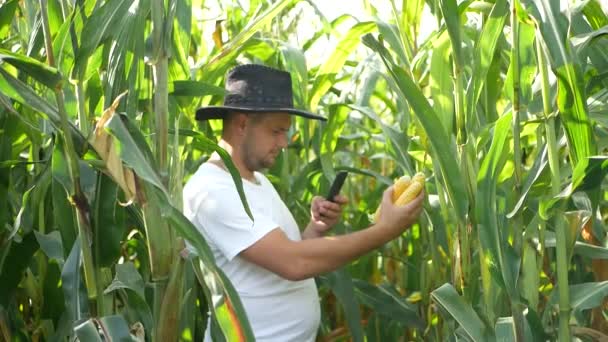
[400,185]
[410,193]
[419,177]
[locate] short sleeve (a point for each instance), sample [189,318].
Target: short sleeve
[222,217]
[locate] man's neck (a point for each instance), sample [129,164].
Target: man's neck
[236,159]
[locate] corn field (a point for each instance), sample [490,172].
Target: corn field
[502,104]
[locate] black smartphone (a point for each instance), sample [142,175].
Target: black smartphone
[336,186]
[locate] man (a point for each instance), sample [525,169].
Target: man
[269,262]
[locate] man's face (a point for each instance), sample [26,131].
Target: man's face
[265,137]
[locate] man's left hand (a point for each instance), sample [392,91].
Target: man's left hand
[324,214]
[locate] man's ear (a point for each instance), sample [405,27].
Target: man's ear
[241,120]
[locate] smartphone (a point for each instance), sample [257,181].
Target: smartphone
[336,186]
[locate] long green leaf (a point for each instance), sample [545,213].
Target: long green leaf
[327,72]
[133,154]
[7,11]
[73,289]
[583,296]
[248,31]
[337,119]
[451,15]
[571,99]
[226,303]
[388,303]
[441,83]
[18,256]
[100,24]
[444,147]
[341,285]
[41,72]
[485,49]
[461,311]
[486,206]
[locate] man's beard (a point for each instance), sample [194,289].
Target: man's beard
[253,163]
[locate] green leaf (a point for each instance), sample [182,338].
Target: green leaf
[22,93]
[327,72]
[18,257]
[59,167]
[390,34]
[87,331]
[587,175]
[101,24]
[111,328]
[41,72]
[581,42]
[51,245]
[451,15]
[539,166]
[127,277]
[337,119]
[571,99]
[485,48]
[397,143]
[253,26]
[116,329]
[461,311]
[7,14]
[182,35]
[441,83]
[444,148]
[63,215]
[108,219]
[135,155]
[341,285]
[387,303]
[583,296]
[486,207]
[505,329]
[580,248]
[294,61]
[126,58]
[222,298]
[73,289]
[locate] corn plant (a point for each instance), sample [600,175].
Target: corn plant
[502,107]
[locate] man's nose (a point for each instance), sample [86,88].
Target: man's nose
[283,140]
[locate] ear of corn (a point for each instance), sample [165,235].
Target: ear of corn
[409,194]
[406,189]
[400,185]
[419,177]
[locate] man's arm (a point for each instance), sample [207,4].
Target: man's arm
[296,260]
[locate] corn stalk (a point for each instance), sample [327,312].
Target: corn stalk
[77,198]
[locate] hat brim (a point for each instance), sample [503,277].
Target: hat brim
[220,112]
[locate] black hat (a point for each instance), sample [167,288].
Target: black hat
[254,88]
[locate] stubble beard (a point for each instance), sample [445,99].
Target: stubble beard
[252,162]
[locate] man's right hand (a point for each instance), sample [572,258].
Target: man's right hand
[397,218]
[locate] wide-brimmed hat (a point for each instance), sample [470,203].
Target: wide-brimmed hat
[254,88]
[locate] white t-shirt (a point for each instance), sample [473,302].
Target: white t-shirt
[279,310]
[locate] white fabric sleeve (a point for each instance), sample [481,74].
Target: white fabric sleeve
[223,217]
